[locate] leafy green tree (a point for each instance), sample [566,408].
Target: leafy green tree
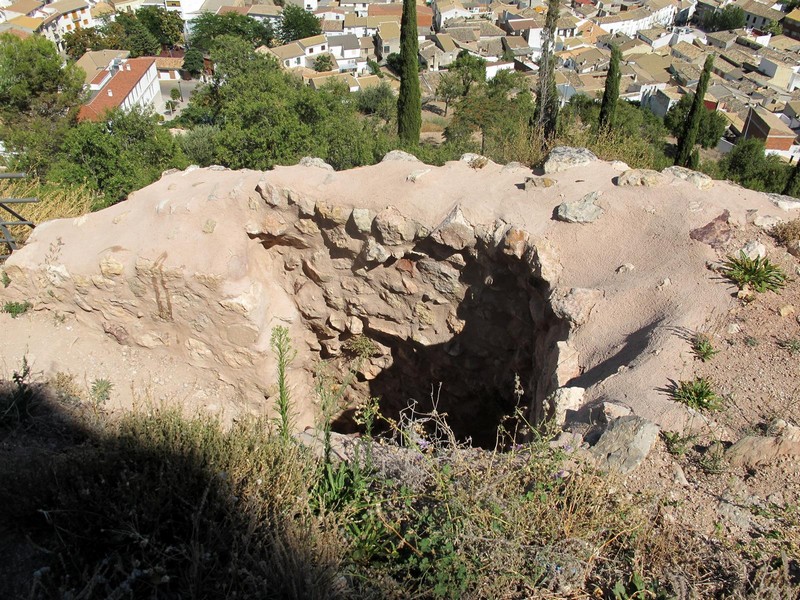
[608,106]
[298,24]
[209,26]
[547,101]
[470,69]
[136,37]
[773,27]
[393,62]
[747,165]
[500,113]
[175,94]
[265,116]
[34,80]
[409,103]
[730,17]
[687,140]
[193,61]
[324,62]
[712,124]
[165,25]
[449,88]
[377,100]
[122,153]
[80,41]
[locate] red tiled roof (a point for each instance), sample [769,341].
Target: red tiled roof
[242,10]
[98,79]
[120,86]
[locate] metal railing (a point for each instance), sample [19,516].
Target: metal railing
[6,236]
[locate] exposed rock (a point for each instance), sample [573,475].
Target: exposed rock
[786,310]
[640,177]
[476,161]
[393,228]
[625,444]
[716,233]
[362,220]
[580,211]
[513,166]
[755,450]
[619,165]
[562,158]
[110,267]
[455,231]
[313,161]
[615,410]
[700,180]
[442,276]
[626,268]
[545,262]
[532,183]
[753,249]
[515,242]
[566,399]
[399,155]
[374,252]
[679,477]
[332,213]
[575,305]
[784,202]
[767,222]
[414,176]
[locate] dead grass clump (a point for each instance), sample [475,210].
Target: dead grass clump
[55,202]
[788,233]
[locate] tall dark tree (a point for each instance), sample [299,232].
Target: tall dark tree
[611,93]
[409,104]
[687,140]
[547,102]
[792,187]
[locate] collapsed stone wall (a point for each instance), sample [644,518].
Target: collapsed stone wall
[457,312]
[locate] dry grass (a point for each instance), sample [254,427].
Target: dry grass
[787,233]
[55,202]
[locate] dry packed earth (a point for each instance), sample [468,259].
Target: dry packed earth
[572,293]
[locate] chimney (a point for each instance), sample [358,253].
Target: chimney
[110,93]
[127,66]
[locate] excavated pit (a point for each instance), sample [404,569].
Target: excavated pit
[457,318]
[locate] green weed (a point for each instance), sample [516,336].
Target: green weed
[281,344]
[702,347]
[16,309]
[697,393]
[791,344]
[101,391]
[676,443]
[756,273]
[750,341]
[5,279]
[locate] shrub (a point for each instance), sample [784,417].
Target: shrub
[702,347]
[756,273]
[697,393]
[787,233]
[16,309]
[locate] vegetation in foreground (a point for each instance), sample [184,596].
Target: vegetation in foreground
[157,504]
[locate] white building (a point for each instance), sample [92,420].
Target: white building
[630,22]
[125,84]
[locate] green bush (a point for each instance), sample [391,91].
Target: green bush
[16,309]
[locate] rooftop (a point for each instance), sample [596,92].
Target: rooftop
[113,94]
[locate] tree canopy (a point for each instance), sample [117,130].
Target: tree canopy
[165,25]
[712,124]
[298,24]
[209,26]
[730,17]
[409,100]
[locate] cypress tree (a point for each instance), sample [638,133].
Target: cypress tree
[409,104]
[611,92]
[687,140]
[547,103]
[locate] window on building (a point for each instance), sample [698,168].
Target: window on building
[386,49]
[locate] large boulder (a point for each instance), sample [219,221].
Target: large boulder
[625,444]
[580,211]
[640,177]
[562,158]
[700,180]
